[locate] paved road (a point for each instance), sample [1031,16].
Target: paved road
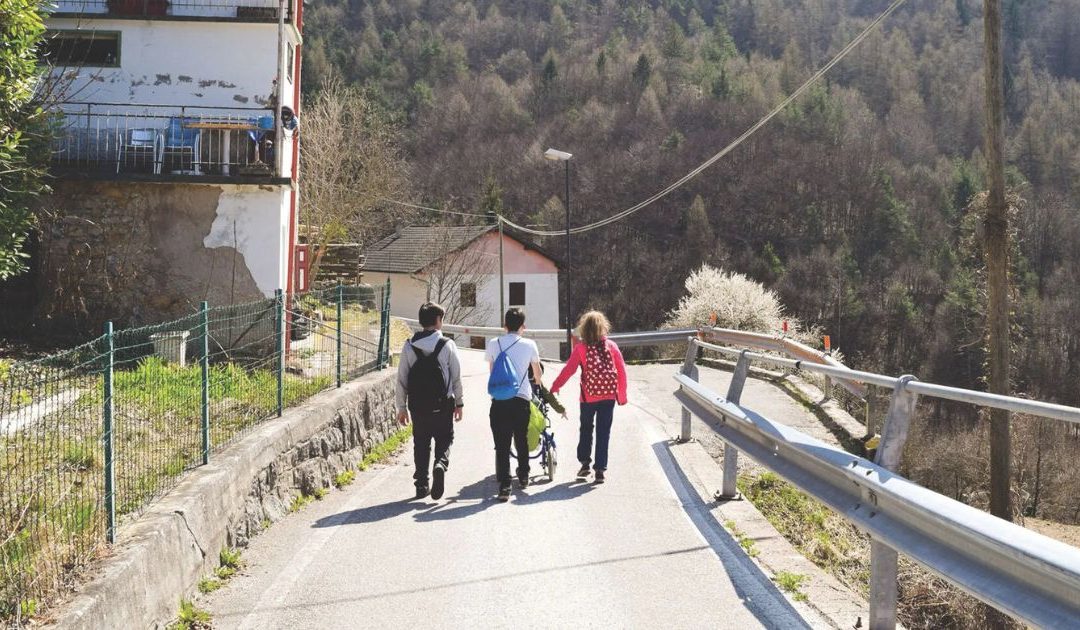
[638,551]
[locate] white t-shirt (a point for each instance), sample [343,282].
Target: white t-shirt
[522,353]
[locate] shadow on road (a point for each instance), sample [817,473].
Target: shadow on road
[372,513]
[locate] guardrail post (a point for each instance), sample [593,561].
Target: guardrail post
[883,559]
[731,454]
[689,368]
[279,334]
[340,323]
[107,435]
[204,328]
[828,389]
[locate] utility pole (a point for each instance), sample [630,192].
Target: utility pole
[502,281]
[996,243]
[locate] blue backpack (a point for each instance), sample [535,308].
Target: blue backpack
[503,383]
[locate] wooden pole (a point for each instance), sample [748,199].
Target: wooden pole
[996,244]
[996,224]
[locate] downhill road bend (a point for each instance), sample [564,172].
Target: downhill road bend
[638,551]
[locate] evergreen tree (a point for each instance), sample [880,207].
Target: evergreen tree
[642,71]
[491,202]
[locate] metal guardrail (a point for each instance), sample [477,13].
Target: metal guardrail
[1027,575]
[1020,572]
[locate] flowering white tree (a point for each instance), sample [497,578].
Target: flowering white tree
[738,303]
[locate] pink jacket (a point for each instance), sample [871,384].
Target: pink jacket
[577,358]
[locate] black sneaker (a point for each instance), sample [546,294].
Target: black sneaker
[584,472]
[504,494]
[421,491]
[599,476]
[523,481]
[438,476]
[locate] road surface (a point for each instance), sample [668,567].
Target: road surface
[639,551]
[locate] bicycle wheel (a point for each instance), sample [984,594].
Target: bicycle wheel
[552,461]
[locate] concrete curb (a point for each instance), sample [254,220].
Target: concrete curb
[161,556]
[838,605]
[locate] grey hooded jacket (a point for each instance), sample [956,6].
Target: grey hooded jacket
[425,341]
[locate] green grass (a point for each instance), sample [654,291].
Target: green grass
[792,583]
[190,617]
[320,493]
[387,448]
[300,502]
[344,478]
[230,558]
[748,544]
[209,585]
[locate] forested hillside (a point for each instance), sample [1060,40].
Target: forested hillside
[856,204]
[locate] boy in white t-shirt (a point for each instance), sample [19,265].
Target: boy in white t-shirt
[510,418]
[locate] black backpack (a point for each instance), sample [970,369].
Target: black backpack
[427,388]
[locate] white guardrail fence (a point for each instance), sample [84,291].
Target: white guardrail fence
[1026,575]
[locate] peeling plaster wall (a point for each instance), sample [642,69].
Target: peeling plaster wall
[215,64]
[140,253]
[255,222]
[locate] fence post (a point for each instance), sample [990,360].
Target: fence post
[107,435]
[384,333]
[883,570]
[340,323]
[689,368]
[204,327]
[279,333]
[731,454]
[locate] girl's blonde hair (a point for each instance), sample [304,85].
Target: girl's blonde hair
[593,327]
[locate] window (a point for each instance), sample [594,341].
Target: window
[81,48]
[517,294]
[468,294]
[289,63]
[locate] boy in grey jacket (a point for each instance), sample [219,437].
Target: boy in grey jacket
[429,388]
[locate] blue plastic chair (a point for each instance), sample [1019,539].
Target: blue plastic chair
[181,139]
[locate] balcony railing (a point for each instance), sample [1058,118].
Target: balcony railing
[150,140]
[247,10]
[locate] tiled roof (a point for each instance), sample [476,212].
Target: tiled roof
[411,249]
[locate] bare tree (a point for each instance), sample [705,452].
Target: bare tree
[457,279]
[350,161]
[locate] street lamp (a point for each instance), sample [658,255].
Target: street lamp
[562,156]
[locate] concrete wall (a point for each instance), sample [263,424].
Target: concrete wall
[139,253]
[216,64]
[160,557]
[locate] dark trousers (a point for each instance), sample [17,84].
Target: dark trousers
[438,426]
[510,421]
[599,413]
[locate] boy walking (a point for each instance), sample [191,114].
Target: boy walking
[429,388]
[510,358]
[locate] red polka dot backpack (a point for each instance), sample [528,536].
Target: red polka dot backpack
[599,378]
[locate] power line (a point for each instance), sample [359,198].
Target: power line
[746,134]
[440,210]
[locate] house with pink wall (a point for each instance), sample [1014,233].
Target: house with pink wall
[458,266]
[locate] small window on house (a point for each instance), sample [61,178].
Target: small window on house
[468,294]
[517,294]
[290,62]
[81,48]
[477,343]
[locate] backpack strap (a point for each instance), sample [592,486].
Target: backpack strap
[434,353]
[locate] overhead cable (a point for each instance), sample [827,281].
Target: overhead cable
[440,210]
[735,143]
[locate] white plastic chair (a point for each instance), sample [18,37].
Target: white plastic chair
[139,141]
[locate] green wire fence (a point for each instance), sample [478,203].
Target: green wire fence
[92,435]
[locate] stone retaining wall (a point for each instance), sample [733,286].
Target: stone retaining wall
[160,558]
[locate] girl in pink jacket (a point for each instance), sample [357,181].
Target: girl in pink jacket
[603,383]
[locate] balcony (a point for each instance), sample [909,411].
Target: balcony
[162,143]
[238,10]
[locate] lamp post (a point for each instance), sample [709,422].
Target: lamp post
[562,156]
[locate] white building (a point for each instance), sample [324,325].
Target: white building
[459,268]
[176,114]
